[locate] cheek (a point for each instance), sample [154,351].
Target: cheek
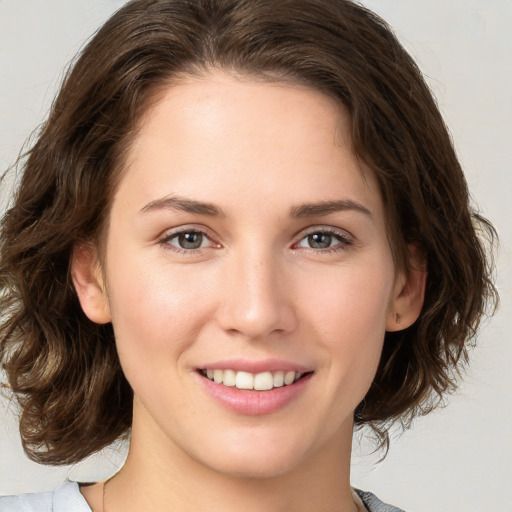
[348,315]
[352,302]
[156,312]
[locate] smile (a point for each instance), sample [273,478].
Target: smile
[263,381]
[258,393]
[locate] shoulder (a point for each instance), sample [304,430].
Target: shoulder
[67,498]
[373,504]
[40,502]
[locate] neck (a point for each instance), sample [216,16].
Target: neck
[158,475]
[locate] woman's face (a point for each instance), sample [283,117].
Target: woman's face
[247,245]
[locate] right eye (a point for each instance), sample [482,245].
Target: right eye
[188,240]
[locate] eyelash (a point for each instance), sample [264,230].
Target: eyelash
[344,240]
[166,240]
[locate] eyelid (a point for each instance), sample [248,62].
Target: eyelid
[188,228]
[347,239]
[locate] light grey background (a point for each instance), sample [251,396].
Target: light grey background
[457,459]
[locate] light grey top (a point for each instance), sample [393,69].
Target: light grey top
[371,502]
[67,498]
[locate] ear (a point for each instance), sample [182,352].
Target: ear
[89,285]
[409,292]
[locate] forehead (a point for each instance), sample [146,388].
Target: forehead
[263,139]
[222,103]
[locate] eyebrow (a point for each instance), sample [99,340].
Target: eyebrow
[327,207]
[185,205]
[301,211]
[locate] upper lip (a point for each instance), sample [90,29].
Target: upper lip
[255,366]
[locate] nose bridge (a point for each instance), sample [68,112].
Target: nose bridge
[255,300]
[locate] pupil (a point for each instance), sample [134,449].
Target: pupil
[320,240]
[190,240]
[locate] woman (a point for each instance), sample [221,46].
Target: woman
[147,291]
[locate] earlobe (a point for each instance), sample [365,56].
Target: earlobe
[88,282]
[409,292]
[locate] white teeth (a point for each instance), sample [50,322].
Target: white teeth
[229,378]
[259,382]
[263,381]
[289,377]
[278,379]
[244,380]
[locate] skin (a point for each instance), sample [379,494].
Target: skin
[255,289]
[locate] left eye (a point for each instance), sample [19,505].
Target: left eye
[189,240]
[322,240]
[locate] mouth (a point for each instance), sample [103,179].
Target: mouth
[264,381]
[255,388]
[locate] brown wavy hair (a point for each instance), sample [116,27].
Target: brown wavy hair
[64,369]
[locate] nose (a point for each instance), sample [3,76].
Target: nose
[256,296]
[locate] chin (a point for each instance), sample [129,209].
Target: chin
[253,458]
[255,468]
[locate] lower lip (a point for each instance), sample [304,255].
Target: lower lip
[254,403]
